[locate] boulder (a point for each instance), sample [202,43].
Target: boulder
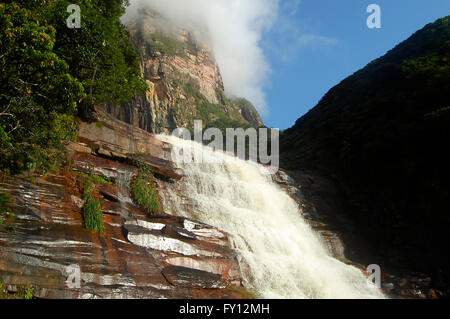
[192,278]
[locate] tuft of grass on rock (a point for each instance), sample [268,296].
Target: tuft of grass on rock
[145,195]
[94,179]
[93,215]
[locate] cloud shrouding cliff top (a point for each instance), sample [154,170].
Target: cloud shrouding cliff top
[233,29]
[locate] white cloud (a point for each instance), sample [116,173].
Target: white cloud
[233,29]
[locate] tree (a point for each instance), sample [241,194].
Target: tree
[50,72]
[100,53]
[37,94]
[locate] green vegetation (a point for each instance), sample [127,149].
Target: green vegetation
[38,95]
[145,169]
[213,115]
[4,199]
[92,179]
[28,293]
[439,112]
[143,189]
[100,53]
[50,73]
[145,194]
[92,213]
[383,135]
[222,116]
[168,45]
[22,292]
[249,111]
[6,219]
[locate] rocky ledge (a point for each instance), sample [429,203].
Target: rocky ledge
[321,204]
[139,256]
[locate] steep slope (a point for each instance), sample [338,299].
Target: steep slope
[382,135]
[185,84]
[141,254]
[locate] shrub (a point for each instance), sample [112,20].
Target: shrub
[92,213]
[145,195]
[28,293]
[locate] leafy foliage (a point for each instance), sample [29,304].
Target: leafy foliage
[28,293]
[99,53]
[38,95]
[48,72]
[382,134]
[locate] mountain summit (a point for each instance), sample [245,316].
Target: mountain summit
[184,81]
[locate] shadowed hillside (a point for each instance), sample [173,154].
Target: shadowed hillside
[382,135]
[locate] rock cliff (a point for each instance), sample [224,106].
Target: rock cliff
[140,255]
[184,84]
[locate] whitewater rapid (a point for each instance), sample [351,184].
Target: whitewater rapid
[286,259]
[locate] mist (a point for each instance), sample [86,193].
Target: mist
[232,29]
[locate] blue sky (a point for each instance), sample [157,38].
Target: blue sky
[315,44]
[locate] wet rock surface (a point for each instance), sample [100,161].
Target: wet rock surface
[139,256]
[142,256]
[192,278]
[322,203]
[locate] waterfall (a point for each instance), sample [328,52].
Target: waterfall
[284,257]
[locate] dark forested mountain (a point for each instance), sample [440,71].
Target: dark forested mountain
[383,135]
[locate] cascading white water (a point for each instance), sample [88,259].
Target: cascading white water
[285,257]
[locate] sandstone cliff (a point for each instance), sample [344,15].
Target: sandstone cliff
[184,84]
[139,255]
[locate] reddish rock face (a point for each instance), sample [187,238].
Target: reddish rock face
[175,80]
[112,139]
[192,278]
[138,256]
